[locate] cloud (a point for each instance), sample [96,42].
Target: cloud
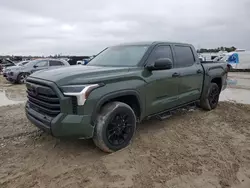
[85,27]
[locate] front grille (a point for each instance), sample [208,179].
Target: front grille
[74,105]
[43,99]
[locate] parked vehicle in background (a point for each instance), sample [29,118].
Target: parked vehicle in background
[18,64]
[121,86]
[18,74]
[83,62]
[80,62]
[65,59]
[237,60]
[6,63]
[73,59]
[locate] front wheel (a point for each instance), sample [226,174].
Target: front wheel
[21,79]
[210,101]
[115,128]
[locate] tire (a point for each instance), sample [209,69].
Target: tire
[210,101]
[115,128]
[21,79]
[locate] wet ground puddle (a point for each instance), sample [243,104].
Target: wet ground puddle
[10,96]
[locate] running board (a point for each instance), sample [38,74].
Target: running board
[168,113]
[165,115]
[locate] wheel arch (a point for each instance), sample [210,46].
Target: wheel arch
[121,96]
[218,81]
[20,73]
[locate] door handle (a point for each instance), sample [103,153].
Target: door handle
[199,71]
[175,74]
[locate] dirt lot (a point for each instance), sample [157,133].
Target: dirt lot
[3,80]
[191,149]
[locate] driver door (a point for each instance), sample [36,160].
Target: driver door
[43,64]
[162,87]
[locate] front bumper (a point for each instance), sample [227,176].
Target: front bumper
[64,124]
[11,77]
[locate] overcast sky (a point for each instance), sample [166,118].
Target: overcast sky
[84,27]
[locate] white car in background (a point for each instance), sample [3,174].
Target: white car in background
[237,59]
[79,62]
[21,63]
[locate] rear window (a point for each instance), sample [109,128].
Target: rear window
[184,56]
[55,63]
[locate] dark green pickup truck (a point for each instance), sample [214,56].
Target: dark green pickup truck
[121,86]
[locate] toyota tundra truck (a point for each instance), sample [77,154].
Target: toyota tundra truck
[121,86]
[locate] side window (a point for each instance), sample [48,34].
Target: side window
[184,56]
[55,63]
[160,52]
[42,63]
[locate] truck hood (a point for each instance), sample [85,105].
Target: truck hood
[80,74]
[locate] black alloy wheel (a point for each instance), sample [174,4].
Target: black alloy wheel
[115,127]
[214,96]
[120,129]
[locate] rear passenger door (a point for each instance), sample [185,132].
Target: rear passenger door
[55,63]
[162,86]
[191,73]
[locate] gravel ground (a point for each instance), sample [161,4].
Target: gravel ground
[191,149]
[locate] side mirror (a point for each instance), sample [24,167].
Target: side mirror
[35,66]
[161,64]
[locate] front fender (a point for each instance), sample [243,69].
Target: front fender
[113,95]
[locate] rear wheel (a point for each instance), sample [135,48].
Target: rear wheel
[210,101]
[115,128]
[21,79]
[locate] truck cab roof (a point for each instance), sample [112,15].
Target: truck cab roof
[151,43]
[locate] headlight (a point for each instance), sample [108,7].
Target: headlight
[81,92]
[15,69]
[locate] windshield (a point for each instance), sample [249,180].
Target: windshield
[119,56]
[31,63]
[22,63]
